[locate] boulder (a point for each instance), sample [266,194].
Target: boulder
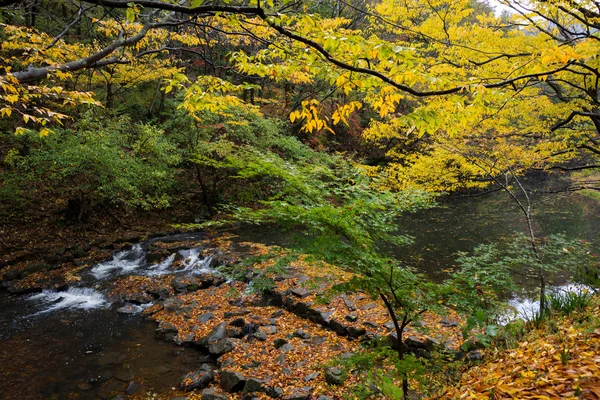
[301,334]
[279,342]
[300,393]
[254,385]
[211,394]
[232,382]
[198,379]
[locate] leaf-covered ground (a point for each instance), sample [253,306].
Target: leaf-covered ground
[560,359]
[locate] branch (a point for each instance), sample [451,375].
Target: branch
[570,118]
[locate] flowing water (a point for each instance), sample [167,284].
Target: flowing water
[73,344]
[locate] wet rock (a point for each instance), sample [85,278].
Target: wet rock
[198,379]
[232,382]
[111,358]
[334,376]
[184,339]
[338,328]
[166,331]
[449,322]
[211,394]
[133,388]
[205,317]
[310,377]
[351,317]
[301,292]
[279,342]
[254,385]
[301,334]
[238,322]
[130,309]
[301,393]
[356,332]
[147,312]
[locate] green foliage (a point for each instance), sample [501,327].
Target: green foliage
[100,159]
[568,302]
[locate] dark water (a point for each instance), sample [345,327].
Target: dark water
[460,224]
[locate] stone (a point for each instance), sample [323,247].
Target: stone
[254,385]
[475,355]
[338,328]
[221,346]
[320,317]
[318,340]
[334,376]
[268,329]
[198,379]
[232,314]
[351,317]
[205,317]
[322,397]
[286,347]
[133,388]
[238,322]
[218,333]
[300,393]
[349,304]
[310,377]
[447,322]
[302,308]
[211,394]
[389,325]
[414,342]
[301,292]
[274,392]
[356,332]
[173,304]
[279,342]
[235,332]
[280,359]
[130,309]
[368,306]
[277,314]
[301,334]
[232,382]
[371,324]
[260,335]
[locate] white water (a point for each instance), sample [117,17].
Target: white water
[526,309]
[162,268]
[73,298]
[192,263]
[125,261]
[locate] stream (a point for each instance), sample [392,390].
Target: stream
[74,344]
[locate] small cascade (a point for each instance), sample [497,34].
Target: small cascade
[73,298]
[124,261]
[162,268]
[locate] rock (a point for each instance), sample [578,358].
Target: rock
[356,332]
[349,304]
[301,334]
[205,317]
[389,325]
[280,359]
[301,292]
[368,306]
[371,324]
[286,347]
[310,377]
[260,335]
[301,393]
[351,317]
[179,284]
[185,338]
[324,398]
[198,379]
[254,385]
[414,342]
[211,394]
[268,329]
[318,340]
[133,388]
[111,358]
[449,322]
[235,332]
[320,317]
[302,308]
[232,382]
[279,342]
[130,309]
[166,331]
[238,322]
[218,333]
[274,392]
[221,346]
[338,328]
[173,304]
[277,314]
[232,314]
[475,355]
[334,376]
